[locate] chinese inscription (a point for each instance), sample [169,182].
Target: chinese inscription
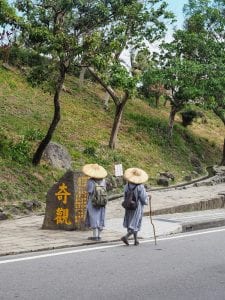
[81,201]
[62,194]
[66,202]
[62,216]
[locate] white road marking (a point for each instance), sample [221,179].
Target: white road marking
[197,216]
[107,246]
[213,215]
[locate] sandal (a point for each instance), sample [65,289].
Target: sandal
[125,240]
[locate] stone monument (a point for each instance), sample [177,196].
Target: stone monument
[66,203]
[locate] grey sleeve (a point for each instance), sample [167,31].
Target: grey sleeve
[90,186]
[142,195]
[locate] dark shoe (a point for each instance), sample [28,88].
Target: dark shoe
[125,240]
[136,243]
[92,238]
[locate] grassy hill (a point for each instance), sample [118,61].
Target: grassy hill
[26,112]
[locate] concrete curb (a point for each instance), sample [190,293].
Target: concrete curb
[218,202]
[187,227]
[59,247]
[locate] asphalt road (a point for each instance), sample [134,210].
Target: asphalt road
[187,266]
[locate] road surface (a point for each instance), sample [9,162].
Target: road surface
[182,267]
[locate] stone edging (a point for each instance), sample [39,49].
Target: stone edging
[218,176]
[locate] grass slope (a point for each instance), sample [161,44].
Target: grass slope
[26,112]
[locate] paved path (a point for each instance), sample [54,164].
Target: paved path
[25,234]
[171,198]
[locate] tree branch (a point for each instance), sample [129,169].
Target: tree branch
[116,100]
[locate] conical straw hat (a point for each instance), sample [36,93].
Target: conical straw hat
[94,171]
[135,175]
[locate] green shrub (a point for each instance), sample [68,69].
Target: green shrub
[19,152]
[33,134]
[155,127]
[90,148]
[20,56]
[91,151]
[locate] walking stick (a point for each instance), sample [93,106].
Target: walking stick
[150,215]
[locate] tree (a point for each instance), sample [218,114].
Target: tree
[7,14]
[137,24]
[56,29]
[8,27]
[120,78]
[178,74]
[207,18]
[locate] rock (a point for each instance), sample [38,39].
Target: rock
[163,181]
[188,178]
[31,205]
[3,216]
[57,156]
[199,170]
[167,175]
[195,162]
[37,203]
[15,210]
[28,205]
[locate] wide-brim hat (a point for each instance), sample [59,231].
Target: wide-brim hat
[94,171]
[135,175]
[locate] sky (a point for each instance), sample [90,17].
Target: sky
[176,6]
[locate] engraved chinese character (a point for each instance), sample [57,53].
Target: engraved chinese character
[62,216]
[62,194]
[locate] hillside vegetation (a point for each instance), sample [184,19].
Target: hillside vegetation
[84,129]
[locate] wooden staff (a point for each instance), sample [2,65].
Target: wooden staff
[150,215]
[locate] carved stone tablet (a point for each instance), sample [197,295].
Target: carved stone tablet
[66,203]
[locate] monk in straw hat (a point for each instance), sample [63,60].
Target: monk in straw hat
[135,178]
[95,217]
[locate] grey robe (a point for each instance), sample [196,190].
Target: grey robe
[133,218]
[95,216]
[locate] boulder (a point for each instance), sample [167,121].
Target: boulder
[58,156]
[163,181]
[168,175]
[3,216]
[31,205]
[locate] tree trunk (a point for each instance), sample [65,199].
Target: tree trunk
[116,125]
[106,100]
[165,102]
[223,158]
[39,152]
[220,113]
[173,112]
[81,78]
[157,101]
[119,108]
